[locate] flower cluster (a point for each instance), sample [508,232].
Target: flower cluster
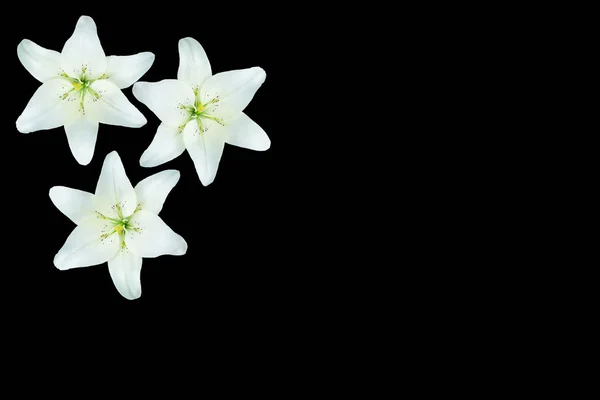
[199,112]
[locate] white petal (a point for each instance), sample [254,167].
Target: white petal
[124,71]
[125,271]
[112,107]
[166,145]
[81,135]
[234,89]
[85,245]
[153,191]
[83,51]
[194,67]
[152,237]
[77,205]
[205,148]
[166,99]
[42,63]
[114,188]
[47,109]
[246,133]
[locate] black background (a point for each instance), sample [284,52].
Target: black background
[237,228]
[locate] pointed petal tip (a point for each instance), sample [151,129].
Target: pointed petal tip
[58,263]
[83,157]
[22,127]
[127,295]
[145,162]
[53,192]
[183,247]
[85,19]
[138,89]
[22,44]
[261,71]
[187,38]
[205,182]
[176,175]
[112,156]
[84,161]
[140,121]
[266,145]
[19,125]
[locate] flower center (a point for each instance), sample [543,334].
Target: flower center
[77,85]
[119,228]
[81,86]
[202,112]
[120,225]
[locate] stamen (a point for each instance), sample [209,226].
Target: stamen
[77,85]
[104,236]
[119,212]
[217,120]
[93,92]
[64,96]
[102,216]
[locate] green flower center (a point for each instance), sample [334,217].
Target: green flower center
[202,112]
[120,224]
[81,86]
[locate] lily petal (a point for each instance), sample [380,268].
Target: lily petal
[194,67]
[166,145]
[81,135]
[166,99]
[85,246]
[205,148]
[153,191]
[114,188]
[124,71]
[82,52]
[112,107]
[42,63]
[125,271]
[47,109]
[152,237]
[244,132]
[76,204]
[235,89]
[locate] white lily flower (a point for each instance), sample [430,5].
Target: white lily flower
[81,88]
[118,224]
[201,112]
